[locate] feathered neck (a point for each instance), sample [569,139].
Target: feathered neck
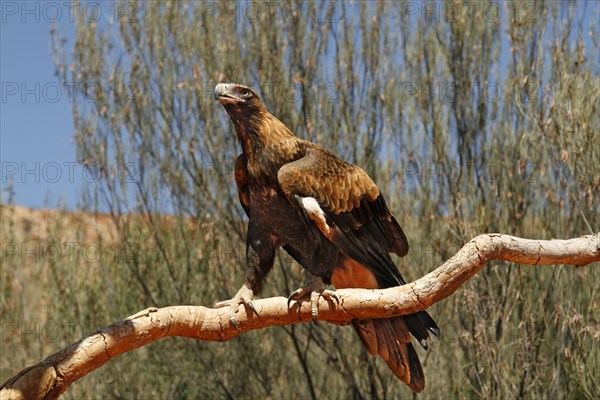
[257,129]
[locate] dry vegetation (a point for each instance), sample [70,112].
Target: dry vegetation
[526,163]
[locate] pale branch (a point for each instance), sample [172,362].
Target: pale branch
[52,376]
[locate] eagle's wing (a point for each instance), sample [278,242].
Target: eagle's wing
[348,208]
[241,180]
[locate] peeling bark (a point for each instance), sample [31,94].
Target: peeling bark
[49,378]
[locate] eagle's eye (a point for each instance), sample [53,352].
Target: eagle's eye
[245,93]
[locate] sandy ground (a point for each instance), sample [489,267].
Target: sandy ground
[36,224]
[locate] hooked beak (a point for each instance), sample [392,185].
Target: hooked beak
[224,94]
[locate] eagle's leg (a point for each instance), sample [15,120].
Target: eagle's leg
[244,296]
[260,255]
[316,290]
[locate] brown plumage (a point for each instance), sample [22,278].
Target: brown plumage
[328,215]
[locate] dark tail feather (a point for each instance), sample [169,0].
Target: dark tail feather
[420,324]
[390,339]
[417,379]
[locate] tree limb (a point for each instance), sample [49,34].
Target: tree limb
[52,376]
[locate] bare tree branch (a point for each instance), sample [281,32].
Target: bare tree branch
[52,376]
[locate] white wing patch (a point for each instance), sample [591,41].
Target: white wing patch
[316,214]
[311,205]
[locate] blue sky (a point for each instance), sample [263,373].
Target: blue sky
[36,146]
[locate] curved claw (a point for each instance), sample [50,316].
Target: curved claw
[297,295]
[251,306]
[330,294]
[243,296]
[234,322]
[315,293]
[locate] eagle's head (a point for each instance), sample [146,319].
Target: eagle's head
[251,119]
[237,98]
